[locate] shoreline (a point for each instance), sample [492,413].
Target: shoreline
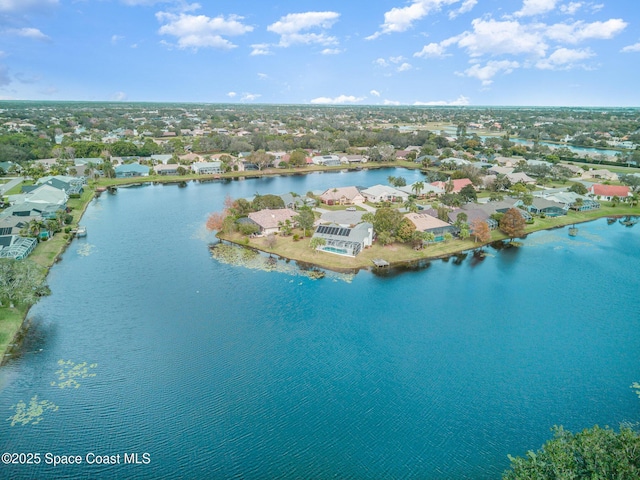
[18,335]
[328,261]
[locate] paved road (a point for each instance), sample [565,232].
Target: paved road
[5,187]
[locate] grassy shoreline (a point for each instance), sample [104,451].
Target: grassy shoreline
[398,254]
[14,321]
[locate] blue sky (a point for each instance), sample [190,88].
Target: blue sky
[383,52]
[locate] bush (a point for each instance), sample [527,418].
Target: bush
[296,237]
[74,195]
[67,229]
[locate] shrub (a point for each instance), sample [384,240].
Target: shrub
[296,237]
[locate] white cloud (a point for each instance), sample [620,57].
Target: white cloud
[249,97]
[331,51]
[564,59]
[400,19]
[290,27]
[338,99]
[631,48]
[199,31]
[486,73]
[466,7]
[536,7]
[119,97]
[375,93]
[460,101]
[405,67]
[260,49]
[232,94]
[116,38]
[432,50]
[15,6]
[32,33]
[571,8]
[501,37]
[396,59]
[391,102]
[381,62]
[263,76]
[580,31]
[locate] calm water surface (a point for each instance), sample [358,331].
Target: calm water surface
[219,371]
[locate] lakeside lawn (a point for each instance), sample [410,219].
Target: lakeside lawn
[398,253]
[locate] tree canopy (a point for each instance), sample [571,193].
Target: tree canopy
[512,223]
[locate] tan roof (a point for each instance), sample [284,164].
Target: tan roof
[423,222]
[268,218]
[336,194]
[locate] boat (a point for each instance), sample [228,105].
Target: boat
[81,231]
[573,231]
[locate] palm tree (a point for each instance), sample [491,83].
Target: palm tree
[417,187]
[411,205]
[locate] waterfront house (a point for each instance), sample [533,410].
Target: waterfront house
[296,201]
[547,207]
[348,241]
[429,224]
[270,220]
[207,168]
[13,246]
[70,185]
[131,170]
[342,196]
[607,192]
[353,159]
[168,169]
[327,160]
[384,193]
[427,190]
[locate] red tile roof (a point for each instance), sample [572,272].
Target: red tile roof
[609,190]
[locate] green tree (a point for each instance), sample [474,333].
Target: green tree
[417,188]
[317,242]
[468,193]
[594,453]
[411,205]
[578,188]
[305,219]
[298,158]
[512,223]
[406,229]
[387,220]
[21,282]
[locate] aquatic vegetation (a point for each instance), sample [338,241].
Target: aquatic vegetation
[86,249]
[636,387]
[32,413]
[252,259]
[70,372]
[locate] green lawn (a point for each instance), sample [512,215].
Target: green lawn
[10,321]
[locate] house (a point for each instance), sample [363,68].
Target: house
[547,207]
[13,246]
[342,196]
[601,175]
[508,161]
[607,192]
[429,224]
[346,241]
[454,162]
[161,158]
[12,224]
[131,170]
[384,193]
[207,168]
[270,220]
[295,202]
[570,200]
[353,159]
[168,169]
[42,195]
[520,177]
[498,170]
[327,160]
[458,184]
[473,214]
[70,185]
[344,218]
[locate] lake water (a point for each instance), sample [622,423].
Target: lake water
[220,371]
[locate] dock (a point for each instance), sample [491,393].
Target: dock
[380,263]
[81,231]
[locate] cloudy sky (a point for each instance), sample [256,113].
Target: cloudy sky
[382,52]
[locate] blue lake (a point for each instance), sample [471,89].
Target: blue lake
[219,371]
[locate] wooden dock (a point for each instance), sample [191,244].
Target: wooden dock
[380,263]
